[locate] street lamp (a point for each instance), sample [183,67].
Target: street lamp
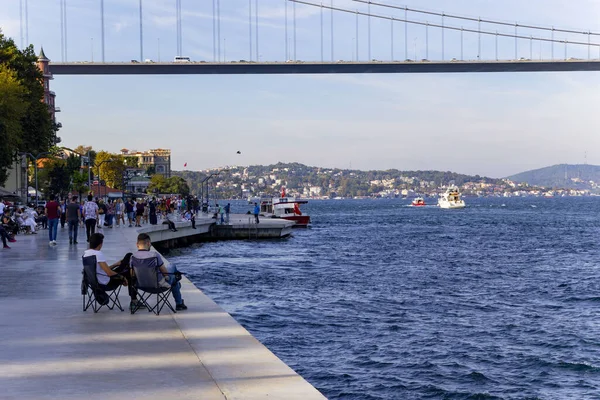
[206,180]
[99,179]
[35,160]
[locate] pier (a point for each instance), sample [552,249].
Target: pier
[51,349]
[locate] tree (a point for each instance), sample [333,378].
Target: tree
[38,129]
[12,110]
[151,170]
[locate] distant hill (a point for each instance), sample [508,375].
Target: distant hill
[564,176]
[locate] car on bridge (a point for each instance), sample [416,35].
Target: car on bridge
[181,59]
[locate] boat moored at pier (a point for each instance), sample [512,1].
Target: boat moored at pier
[285,207]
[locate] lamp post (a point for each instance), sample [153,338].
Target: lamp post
[35,160]
[99,164]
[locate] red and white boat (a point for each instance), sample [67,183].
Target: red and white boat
[418,202]
[285,207]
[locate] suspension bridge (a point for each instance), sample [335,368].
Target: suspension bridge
[417,41]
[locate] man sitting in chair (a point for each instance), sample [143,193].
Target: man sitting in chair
[110,276]
[169,279]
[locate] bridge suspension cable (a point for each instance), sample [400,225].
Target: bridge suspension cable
[444,26]
[487,21]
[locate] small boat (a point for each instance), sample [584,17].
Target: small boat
[285,207]
[451,199]
[418,202]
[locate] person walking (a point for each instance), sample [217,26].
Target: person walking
[120,210]
[102,211]
[73,216]
[53,214]
[256,212]
[90,213]
[139,213]
[222,214]
[63,213]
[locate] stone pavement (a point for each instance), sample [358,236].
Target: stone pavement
[51,349]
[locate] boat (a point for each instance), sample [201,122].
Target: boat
[418,202]
[451,199]
[285,207]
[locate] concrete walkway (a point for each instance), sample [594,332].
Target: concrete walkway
[51,349]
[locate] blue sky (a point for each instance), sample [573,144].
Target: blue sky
[489,124]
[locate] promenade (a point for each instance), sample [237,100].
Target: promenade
[51,349]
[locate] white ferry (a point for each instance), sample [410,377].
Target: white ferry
[451,199]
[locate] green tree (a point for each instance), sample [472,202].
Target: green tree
[38,129]
[12,110]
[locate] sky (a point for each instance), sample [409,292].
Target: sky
[494,124]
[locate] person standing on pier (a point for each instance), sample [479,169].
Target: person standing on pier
[256,212]
[90,213]
[227,210]
[152,214]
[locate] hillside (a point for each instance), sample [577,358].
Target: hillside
[565,176]
[332,182]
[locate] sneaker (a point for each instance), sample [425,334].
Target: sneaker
[54,242]
[12,240]
[70,241]
[74,241]
[6,246]
[180,307]
[50,243]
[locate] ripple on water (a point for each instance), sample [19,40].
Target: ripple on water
[382,301]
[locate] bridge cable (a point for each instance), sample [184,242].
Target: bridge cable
[541,39]
[487,21]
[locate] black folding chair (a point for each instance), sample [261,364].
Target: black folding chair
[147,283]
[94,292]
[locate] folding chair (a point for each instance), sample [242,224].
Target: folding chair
[90,287]
[147,278]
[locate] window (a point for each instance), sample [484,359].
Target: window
[160,168]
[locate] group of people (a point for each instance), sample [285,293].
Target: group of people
[121,273]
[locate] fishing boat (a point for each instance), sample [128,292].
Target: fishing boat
[285,207]
[451,199]
[418,202]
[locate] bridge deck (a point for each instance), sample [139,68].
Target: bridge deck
[85,68]
[53,350]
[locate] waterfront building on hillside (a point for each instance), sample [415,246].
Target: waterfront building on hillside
[159,159]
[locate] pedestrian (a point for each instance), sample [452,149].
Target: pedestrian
[90,213]
[102,211]
[227,210]
[152,213]
[63,213]
[110,215]
[53,214]
[129,209]
[256,212]
[2,207]
[222,213]
[73,216]
[139,213]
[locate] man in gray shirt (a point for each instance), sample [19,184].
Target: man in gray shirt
[73,218]
[169,279]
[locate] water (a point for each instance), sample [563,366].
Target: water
[378,300]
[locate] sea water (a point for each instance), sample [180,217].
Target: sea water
[380,300]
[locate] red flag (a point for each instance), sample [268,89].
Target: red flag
[184,165]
